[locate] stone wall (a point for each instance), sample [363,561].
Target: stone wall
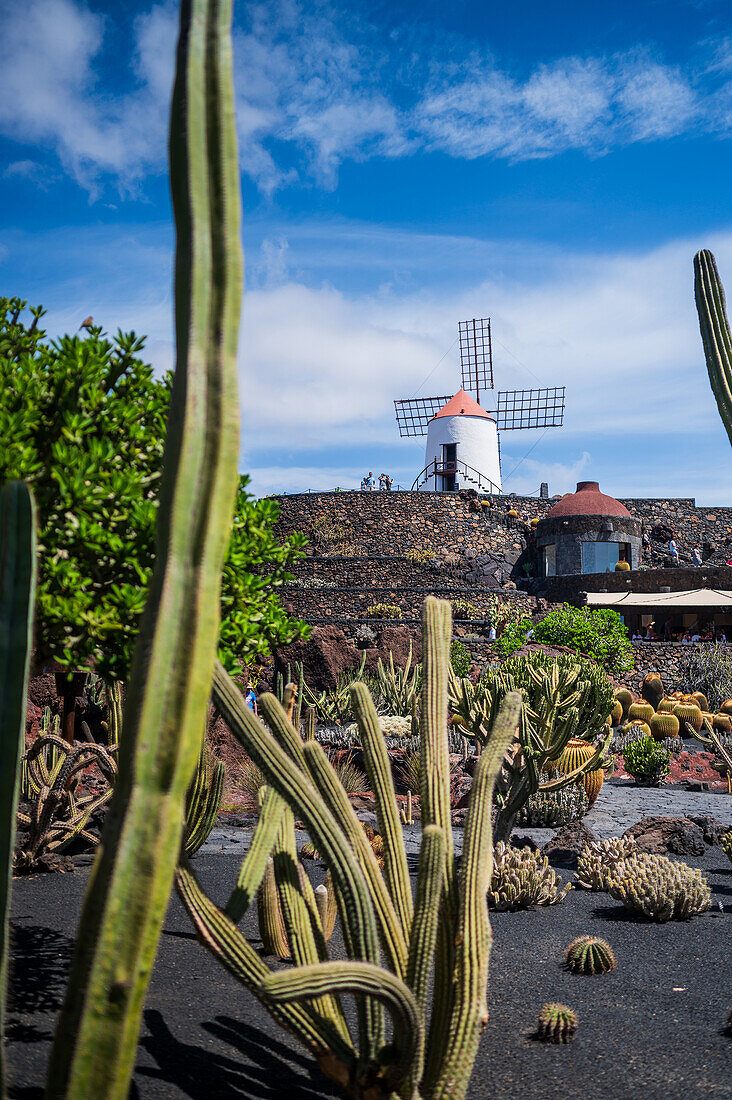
[668,659]
[342,603]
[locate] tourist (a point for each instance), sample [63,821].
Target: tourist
[250,700]
[637,636]
[696,636]
[721,638]
[646,543]
[368,483]
[381,482]
[492,633]
[673,551]
[686,638]
[388,482]
[530,634]
[696,556]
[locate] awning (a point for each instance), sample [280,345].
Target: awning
[692,597]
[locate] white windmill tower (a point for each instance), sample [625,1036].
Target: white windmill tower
[463,443]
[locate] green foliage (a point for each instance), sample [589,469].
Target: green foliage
[646,760]
[82,421]
[330,534]
[596,633]
[419,556]
[513,636]
[460,658]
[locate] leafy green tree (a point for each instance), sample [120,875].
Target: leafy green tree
[82,420]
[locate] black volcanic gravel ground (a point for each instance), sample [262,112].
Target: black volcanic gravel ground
[651,1029]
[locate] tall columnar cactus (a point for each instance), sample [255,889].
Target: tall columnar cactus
[715,332]
[17,590]
[170,680]
[397,947]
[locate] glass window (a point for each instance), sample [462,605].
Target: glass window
[550,560]
[598,557]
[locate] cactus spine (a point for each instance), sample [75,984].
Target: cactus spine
[17,592]
[170,681]
[444,934]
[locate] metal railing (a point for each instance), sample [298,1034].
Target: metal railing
[453,470]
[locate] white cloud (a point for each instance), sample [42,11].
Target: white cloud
[314,89]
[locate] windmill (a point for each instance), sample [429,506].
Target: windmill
[463,447]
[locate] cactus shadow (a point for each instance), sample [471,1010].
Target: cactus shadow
[259,1068]
[617,913]
[40,960]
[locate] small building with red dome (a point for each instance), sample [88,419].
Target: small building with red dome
[587,532]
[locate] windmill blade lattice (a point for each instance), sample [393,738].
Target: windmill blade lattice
[537,408]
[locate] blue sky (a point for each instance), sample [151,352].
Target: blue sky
[404,166]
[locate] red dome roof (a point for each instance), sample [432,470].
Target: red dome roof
[587,501]
[462,404]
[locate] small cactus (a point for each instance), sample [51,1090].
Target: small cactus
[589,955]
[616,714]
[658,888]
[621,566]
[727,845]
[557,1023]
[726,707]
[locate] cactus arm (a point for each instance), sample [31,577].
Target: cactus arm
[473,930]
[96,1040]
[276,718]
[17,590]
[355,906]
[226,943]
[326,780]
[364,979]
[299,912]
[435,804]
[378,768]
[423,938]
[272,930]
[201,820]
[255,861]
[715,332]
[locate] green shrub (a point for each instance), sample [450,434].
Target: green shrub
[383,611]
[646,760]
[460,659]
[513,636]
[596,633]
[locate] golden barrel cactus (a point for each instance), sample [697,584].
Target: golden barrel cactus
[621,567]
[641,711]
[664,725]
[625,698]
[688,712]
[666,706]
[576,753]
[726,707]
[701,700]
[722,723]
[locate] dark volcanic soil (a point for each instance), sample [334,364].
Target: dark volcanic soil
[651,1029]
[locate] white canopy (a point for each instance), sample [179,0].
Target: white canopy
[692,597]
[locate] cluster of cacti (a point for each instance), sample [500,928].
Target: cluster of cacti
[383,611]
[203,801]
[552,809]
[48,759]
[597,859]
[56,814]
[658,888]
[726,843]
[589,955]
[562,698]
[439,940]
[720,745]
[391,725]
[522,878]
[399,688]
[556,1024]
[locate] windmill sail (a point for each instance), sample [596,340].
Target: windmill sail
[538,408]
[414,414]
[476,355]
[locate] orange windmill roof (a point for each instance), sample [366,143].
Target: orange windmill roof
[462,404]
